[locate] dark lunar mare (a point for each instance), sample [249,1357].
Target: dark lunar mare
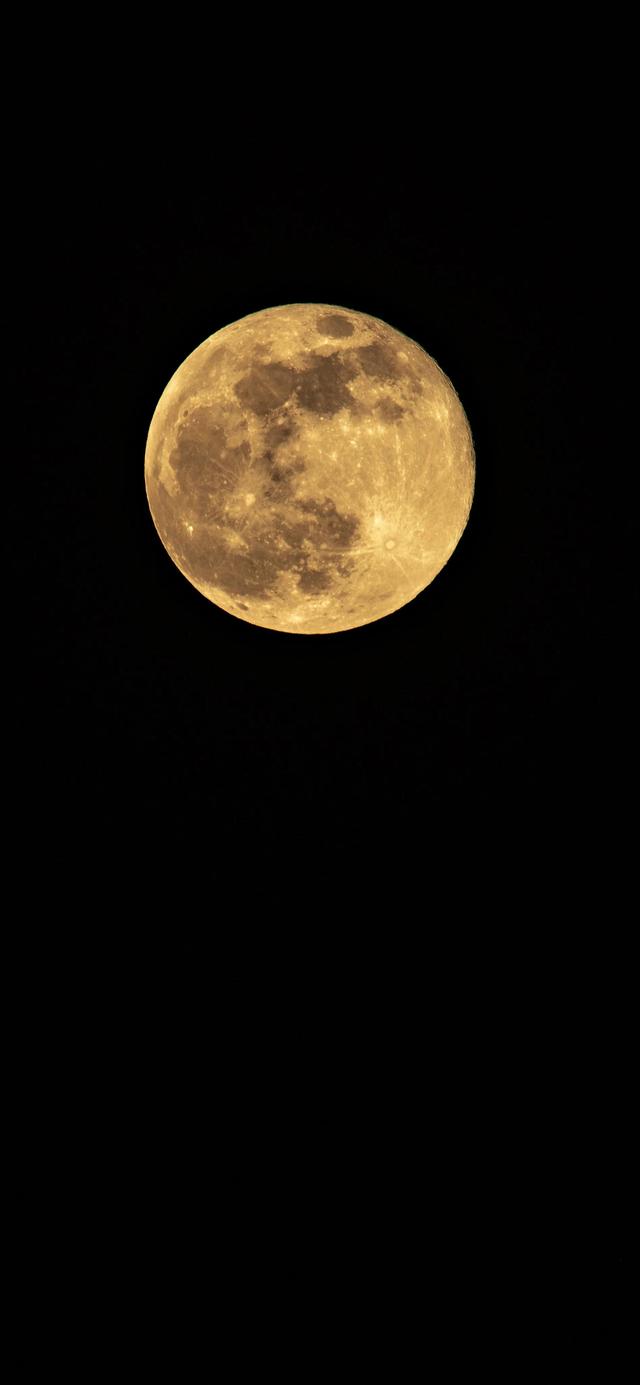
[335,325]
[308,538]
[277,547]
[265,387]
[389,409]
[379,360]
[321,386]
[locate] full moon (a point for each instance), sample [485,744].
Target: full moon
[309,468]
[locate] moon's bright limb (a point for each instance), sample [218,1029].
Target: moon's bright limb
[309,468]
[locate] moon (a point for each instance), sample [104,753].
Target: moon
[309,468]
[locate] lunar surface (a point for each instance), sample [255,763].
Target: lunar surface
[309,468]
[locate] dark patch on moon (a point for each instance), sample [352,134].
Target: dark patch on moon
[294,529]
[281,473]
[312,580]
[281,483]
[298,537]
[282,430]
[238,572]
[389,410]
[265,387]
[322,388]
[379,360]
[329,528]
[335,325]
[246,554]
[206,467]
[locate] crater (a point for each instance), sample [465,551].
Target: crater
[335,325]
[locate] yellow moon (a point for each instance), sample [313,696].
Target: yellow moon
[309,468]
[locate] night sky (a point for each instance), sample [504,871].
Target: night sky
[461,728]
[397,837]
[461,708]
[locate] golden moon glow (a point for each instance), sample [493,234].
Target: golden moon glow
[309,468]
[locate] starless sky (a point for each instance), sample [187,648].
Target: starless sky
[460,704]
[395,833]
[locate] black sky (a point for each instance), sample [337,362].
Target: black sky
[462,713]
[396,839]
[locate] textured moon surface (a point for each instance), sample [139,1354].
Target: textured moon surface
[309,468]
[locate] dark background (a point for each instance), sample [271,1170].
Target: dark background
[464,712]
[261,870]
[467,739]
